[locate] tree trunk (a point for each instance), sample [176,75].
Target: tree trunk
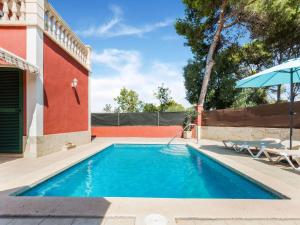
[279,93]
[210,57]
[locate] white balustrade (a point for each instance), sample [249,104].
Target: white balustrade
[12,11]
[60,32]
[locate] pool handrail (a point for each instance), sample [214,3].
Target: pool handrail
[189,125]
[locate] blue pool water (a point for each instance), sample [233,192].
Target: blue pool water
[156,171]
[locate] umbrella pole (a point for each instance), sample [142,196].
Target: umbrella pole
[291,109]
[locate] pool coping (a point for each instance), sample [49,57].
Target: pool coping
[173,208]
[275,186]
[260,183]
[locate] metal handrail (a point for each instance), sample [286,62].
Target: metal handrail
[189,125]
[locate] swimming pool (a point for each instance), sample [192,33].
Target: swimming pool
[150,171]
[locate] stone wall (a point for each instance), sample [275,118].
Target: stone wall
[47,144]
[246,133]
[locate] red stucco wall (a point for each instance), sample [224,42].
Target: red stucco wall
[137,131]
[13,39]
[65,110]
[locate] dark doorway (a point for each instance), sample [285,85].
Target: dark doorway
[11,110]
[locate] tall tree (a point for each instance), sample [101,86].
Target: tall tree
[163,95]
[276,23]
[212,49]
[211,17]
[128,101]
[232,64]
[271,27]
[150,107]
[175,107]
[108,108]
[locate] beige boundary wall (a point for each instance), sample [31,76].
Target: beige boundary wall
[245,133]
[47,144]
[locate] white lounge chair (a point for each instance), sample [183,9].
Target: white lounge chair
[269,146]
[240,146]
[280,155]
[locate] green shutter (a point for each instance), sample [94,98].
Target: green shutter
[11,111]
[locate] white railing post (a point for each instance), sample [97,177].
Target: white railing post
[49,25]
[57,35]
[46,18]
[60,32]
[66,39]
[5,10]
[88,56]
[61,37]
[22,11]
[14,10]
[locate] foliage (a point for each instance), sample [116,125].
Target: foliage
[232,64]
[263,33]
[209,27]
[108,108]
[250,97]
[150,107]
[128,101]
[190,116]
[163,95]
[193,75]
[277,24]
[175,107]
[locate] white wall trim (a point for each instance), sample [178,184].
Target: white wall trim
[35,87]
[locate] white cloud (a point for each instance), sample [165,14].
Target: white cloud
[115,27]
[127,71]
[118,60]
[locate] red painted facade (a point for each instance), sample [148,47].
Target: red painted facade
[65,108]
[13,39]
[137,131]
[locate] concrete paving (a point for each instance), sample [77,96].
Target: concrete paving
[18,174]
[131,221]
[66,221]
[238,222]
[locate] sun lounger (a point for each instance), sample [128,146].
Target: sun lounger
[269,147]
[240,146]
[280,155]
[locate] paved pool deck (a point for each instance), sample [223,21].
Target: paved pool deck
[17,174]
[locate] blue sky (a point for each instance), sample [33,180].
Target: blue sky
[134,46]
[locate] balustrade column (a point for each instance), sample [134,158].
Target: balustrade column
[53,33]
[14,11]
[69,42]
[71,45]
[62,35]
[49,25]
[22,11]
[5,10]
[75,48]
[58,30]
[67,39]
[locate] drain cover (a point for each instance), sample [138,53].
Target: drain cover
[155,219]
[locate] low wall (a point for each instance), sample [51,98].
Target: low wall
[47,144]
[137,131]
[253,123]
[271,116]
[246,133]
